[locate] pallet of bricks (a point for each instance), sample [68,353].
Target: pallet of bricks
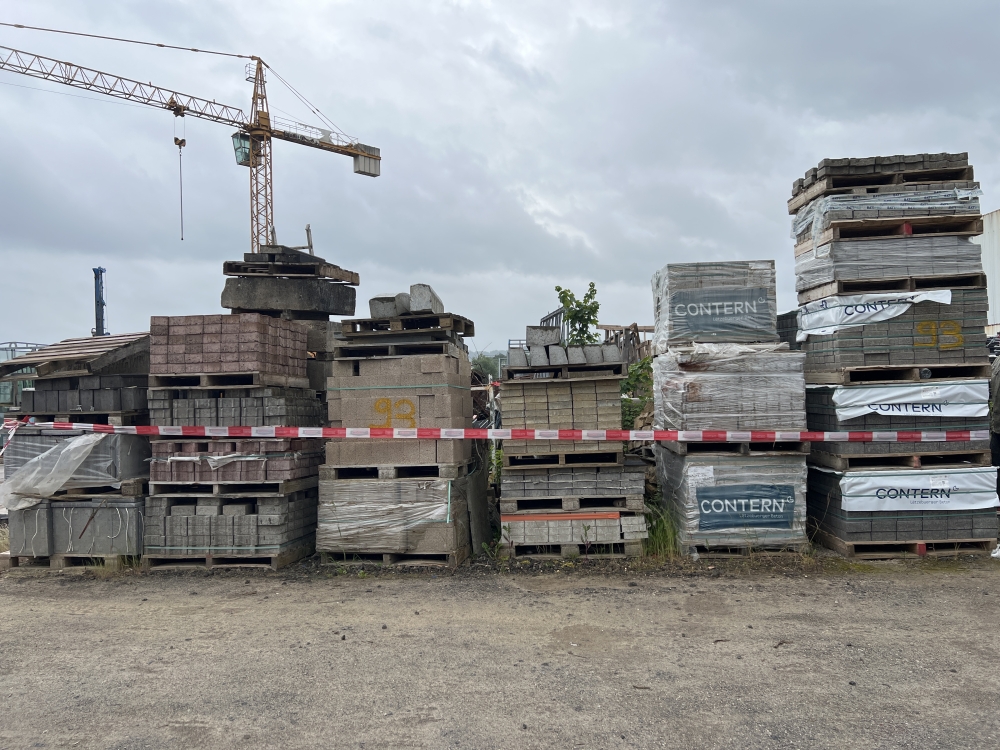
[719,366]
[567,498]
[74,496]
[224,501]
[401,501]
[891,318]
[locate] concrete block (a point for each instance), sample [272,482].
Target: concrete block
[517,358]
[542,335]
[424,299]
[576,355]
[275,294]
[557,355]
[593,354]
[611,353]
[539,357]
[389,305]
[184,510]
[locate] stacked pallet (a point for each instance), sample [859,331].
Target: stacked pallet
[397,500]
[720,367]
[567,497]
[221,501]
[892,313]
[74,496]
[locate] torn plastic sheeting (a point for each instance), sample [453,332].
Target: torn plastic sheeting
[50,472]
[826,316]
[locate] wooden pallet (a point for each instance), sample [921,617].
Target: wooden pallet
[889,550]
[588,459]
[900,284]
[742,449]
[962,225]
[231,489]
[563,551]
[590,371]
[285,555]
[367,350]
[114,418]
[130,490]
[314,269]
[870,375]
[882,182]
[719,552]
[334,472]
[571,503]
[64,562]
[397,559]
[413,322]
[929,461]
[227,380]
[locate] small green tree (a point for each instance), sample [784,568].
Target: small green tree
[580,314]
[638,385]
[487,365]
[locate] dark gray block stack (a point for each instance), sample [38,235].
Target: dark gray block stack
[714,302]
[81,528]
[895,225]
[719,366]
[827,514]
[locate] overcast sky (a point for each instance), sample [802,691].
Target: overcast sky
[524,144]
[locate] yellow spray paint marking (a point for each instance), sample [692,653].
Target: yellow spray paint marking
[402,411]
[946,335]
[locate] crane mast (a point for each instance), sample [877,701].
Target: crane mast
[251,141]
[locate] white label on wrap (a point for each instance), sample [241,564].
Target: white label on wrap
[958,398]
[701,476]
[831,314]
[920,489]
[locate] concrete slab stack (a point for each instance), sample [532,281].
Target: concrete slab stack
[396,499]
[892,312]
[96,512]
[719,366]
[567,497]
[223,501]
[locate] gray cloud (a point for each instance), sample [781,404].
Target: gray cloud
[525,145]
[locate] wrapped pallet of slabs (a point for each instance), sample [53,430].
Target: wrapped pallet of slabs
[931,406]
[878,259]
[933,327]
[413,517]
[899,505]
[734,501]
[704,302]
[82,528]
[729,387]
[812,225]
[112,458]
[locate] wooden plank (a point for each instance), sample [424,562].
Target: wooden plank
[910,373]
[890,550]
[284,556]
[783,448]
[925,461]
[232,489]
[868,229]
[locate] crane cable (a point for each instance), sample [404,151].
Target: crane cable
[129,41]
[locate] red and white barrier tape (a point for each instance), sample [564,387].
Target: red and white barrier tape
[442,433]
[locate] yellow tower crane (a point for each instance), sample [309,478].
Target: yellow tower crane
[251,141]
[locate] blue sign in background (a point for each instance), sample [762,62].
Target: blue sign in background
[770,506]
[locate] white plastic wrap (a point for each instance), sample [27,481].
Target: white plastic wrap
[816,217]
[842,312]
[50,472]
[397,515]
[729,387]
[735,501]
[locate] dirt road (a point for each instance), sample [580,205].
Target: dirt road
[895,656]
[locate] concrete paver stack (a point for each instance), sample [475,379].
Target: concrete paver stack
[892,314]
[247,501]
[406,366]
[719,366]
[567,497]
[87,489]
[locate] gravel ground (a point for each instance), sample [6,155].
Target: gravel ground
[810,654]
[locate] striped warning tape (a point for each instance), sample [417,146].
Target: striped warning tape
[442,433]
